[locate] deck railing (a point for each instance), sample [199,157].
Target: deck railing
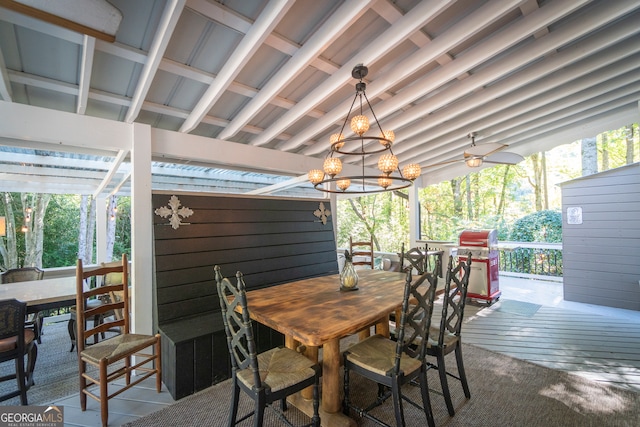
[542,261]
[529,259]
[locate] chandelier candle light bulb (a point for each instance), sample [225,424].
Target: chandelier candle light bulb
[332,166]
[334,141]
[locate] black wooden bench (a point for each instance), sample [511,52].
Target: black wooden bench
[271,241]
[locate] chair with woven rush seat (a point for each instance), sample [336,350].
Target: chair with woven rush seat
[35,320]
[447,338]
[15,342]
[113,356]
[267,377]
[362,252]
[393,364]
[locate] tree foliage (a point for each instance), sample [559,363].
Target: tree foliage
[57,217]
[61,231]
[542,226]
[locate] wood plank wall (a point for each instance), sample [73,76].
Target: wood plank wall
[270,241]
[601,256]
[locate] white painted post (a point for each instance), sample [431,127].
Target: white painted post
[143,299]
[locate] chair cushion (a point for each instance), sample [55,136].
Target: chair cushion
[8,344]
[118,347]
[377,354]
[434,333]
[279,369]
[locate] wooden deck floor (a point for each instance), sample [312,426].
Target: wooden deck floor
[531,321]
[597,347]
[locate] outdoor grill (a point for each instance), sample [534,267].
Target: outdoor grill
[485,260]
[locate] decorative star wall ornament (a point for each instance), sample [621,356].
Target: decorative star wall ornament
[174,211]
[322,213]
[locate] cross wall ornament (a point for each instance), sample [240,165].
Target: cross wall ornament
[322,213]
[174,211]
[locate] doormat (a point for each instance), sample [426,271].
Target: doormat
[520,308]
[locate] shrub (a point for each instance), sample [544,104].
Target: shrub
[542,226]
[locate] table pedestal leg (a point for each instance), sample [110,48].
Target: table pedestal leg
[331,376]
[312,354]
[382,327]
[330,404]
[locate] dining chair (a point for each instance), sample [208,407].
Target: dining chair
[108,279]
[35,320]
[267,377]
[112,357]
[420,259]
[418,262]
[15,342]
[446,337]
[414,258]
[362,252]
[393,364]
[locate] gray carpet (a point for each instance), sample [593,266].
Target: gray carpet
[56,371]
[504,392]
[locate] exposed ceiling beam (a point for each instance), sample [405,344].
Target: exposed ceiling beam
[5,83]
[274,188]
[468,26]
[167,24]
[219,13]
[493,72]
[389,12]
[415,19]
[331,29]
[111,173]
[96,18]
[484,51]
[551,79]
[86,65]
[253,39]
[550,73]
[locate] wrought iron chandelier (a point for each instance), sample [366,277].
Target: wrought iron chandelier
[391,177]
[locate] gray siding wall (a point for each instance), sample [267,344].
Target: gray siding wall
[601,256]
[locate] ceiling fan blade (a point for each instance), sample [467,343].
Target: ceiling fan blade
[505,158]
[484,149]
[447,162]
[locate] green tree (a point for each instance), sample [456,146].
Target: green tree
[61,231]
[122,219]
[24,213]
[542,226]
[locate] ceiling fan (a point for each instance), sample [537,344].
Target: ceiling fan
[486,152]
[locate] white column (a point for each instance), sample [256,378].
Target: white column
[101,229]
[333,207]
[414,215]
[143,299]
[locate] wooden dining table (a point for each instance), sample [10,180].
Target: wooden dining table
[314,313]
[42,294]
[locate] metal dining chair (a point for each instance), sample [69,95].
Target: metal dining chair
[394,364]
[267,377]
[446,338]
[33,321]
[15,343]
